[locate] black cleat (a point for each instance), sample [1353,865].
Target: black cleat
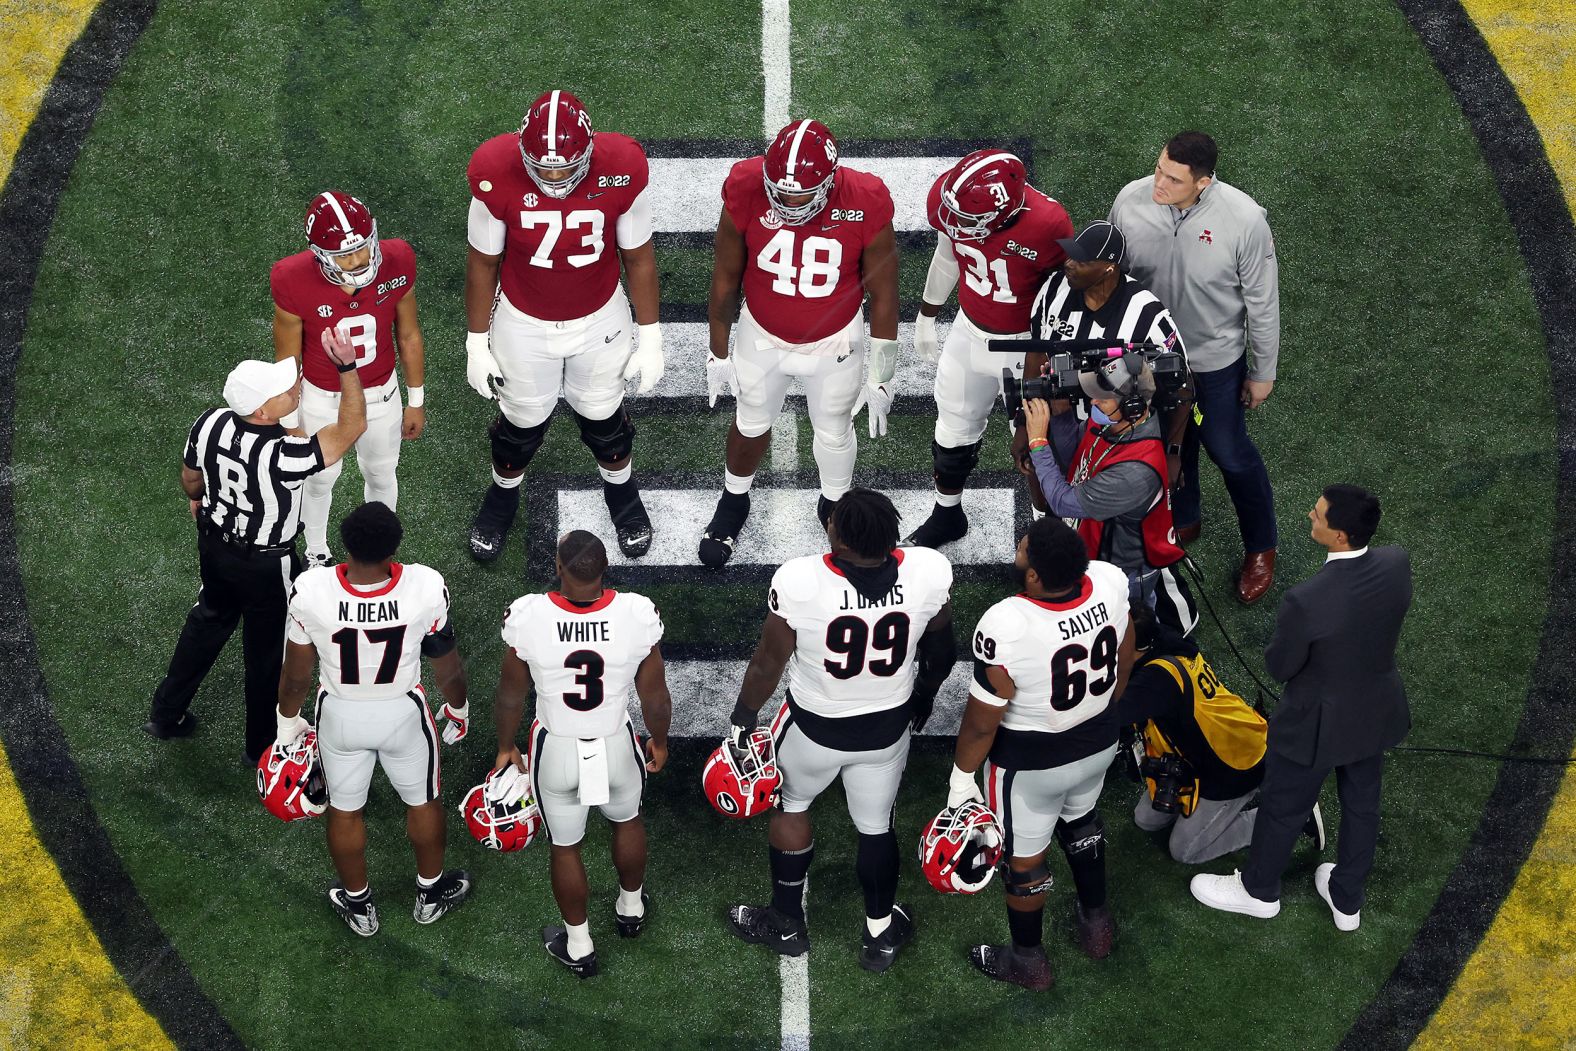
[1094,931]
[879,951]
[185,726]
[359,914]
[556,941]
[444,896]
[823,509]
[630,520]
[766,926]
[1028,968]
[631,926]
[492,522]
[716,546]
[944,525]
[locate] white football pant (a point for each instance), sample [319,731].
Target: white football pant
[968,382]
[583,357]
[377,453]
[1028,803]
[870,779]
[398,734]
[564,770]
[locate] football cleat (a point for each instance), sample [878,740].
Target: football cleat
[823,509]
[766,926]
[556,941]
[944,525]
[290,779]
[314,559]
[1028,968]
[633,526]
[491,524]
[741,778]
[1094,931]
[879,951]
[360,915]
[959,849]
[716,546]
[631,926]
[444,896]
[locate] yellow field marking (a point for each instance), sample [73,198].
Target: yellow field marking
[34,34]
[1519,987]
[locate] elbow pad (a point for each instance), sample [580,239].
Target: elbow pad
[439,642]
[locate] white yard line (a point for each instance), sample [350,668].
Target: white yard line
[793,974]
[775,33]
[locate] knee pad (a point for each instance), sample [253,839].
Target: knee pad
[835,441]
[512,446]
[953,465]
[610,439]
[1084,837]
[1027,884]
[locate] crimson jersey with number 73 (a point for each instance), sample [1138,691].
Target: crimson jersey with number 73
[364,316]
[368,639]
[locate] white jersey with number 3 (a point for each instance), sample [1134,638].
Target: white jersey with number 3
[368,639]
[854,656]
[1062,656]
[583,659]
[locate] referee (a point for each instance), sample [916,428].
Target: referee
[243,472]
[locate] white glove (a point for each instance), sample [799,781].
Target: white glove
[509,785]
[878,392]
[646,362]
[926,345]
[481,368]
[288,729]
[720,376]
[961,788]
[883,360]
[455,722]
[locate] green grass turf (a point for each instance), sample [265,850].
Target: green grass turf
[1402,293]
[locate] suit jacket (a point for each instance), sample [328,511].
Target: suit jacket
[1334,648]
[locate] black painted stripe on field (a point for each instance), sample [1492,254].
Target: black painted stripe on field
[40,756]
[1516,809]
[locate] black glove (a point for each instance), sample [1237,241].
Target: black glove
[919,708]
[742,724]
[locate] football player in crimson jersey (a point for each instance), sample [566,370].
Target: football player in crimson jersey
[586,649]
[1048,663]
[556,210]
[804,239]
[364,289]
[1000,233]
[866,635]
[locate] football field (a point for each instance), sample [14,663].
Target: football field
[1419,326]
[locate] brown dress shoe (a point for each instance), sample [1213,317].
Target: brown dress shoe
[1258,573]
[1189,534]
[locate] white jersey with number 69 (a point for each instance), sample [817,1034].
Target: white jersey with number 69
[583,658]
[1062,656]
[854,656]
[368,638]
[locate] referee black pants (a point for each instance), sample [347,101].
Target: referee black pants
[237,586]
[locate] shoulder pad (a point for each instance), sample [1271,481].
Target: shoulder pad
[930,563]
[490,164]
[1005,621]
[797,580]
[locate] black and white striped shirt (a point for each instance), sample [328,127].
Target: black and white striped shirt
[1132,315]
[251,477]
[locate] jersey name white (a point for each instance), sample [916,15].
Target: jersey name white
[583,659]
[368,640]
[854,656]
[1062,656]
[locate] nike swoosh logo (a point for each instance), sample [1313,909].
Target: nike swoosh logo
[594,196]
[834,226]
[381,300]
[612,337]
[787,937]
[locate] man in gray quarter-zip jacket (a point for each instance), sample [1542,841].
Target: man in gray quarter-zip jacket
[1205,249]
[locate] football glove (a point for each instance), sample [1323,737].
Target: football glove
[961,788]
[288,729]
[879,399]
[720,377]
[646,362]
[920,707]
[926,345]
[741,724]
[481,368]
[456,721]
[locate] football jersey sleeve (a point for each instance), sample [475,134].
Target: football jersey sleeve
[880,209]
[634,226]
[737,189]
[484,231]
[998,632]
[298,625]
[279,288]
[515,621]
[792,586]
[649,618]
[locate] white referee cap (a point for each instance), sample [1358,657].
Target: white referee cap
[253,382]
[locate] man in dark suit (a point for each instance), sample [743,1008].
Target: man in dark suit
[1344,705]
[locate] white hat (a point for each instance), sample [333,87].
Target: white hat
[253,382]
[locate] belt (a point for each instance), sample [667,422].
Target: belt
[242,547]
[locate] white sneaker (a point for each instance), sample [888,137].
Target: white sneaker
[1344,921]
[1227,894]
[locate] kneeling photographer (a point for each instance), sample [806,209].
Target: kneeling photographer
[1197,747]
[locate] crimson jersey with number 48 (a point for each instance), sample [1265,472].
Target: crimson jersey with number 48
[583,659]
[368,640]
[560,258]
[999,277]
[852,655]
[803,283]
[1062,656]
[365,316]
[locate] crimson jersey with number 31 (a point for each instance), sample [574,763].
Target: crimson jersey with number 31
[364,316]
[583,659]
[368,640]
[999,277]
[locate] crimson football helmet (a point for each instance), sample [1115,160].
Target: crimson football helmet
[981,193]
[338,224]
[801,160]
[290,779]
[743,782]
[500,813]
[959,849]
[556,136]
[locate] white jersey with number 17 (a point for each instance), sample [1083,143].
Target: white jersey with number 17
[368,639]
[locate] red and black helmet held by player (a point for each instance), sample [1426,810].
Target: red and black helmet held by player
[337,226]
[555,139]
[741,779]
[801,160]
[981,193]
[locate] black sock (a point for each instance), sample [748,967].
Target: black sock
[1027,927]
[877,870]
[1088,868]
[506,500]
[789,868]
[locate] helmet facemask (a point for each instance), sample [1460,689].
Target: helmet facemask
[795,215]
[362,276]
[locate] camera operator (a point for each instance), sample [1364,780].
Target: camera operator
[1197,747]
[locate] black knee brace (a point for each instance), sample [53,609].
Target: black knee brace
[1083,838]
[1027,884]
[952,466]
[610,439]
[513,447]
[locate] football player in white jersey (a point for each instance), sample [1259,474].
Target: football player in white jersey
[1048,663]
[587,649]
[367,623]
[866,635]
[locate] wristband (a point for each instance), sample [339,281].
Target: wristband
[743,716]
[345,368]
[1039,443]
[416,397]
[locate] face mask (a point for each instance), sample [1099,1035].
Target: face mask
[1099,417]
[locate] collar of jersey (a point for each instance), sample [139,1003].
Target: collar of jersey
[567,606]
[1084,591]
[897,553]
[395,569]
